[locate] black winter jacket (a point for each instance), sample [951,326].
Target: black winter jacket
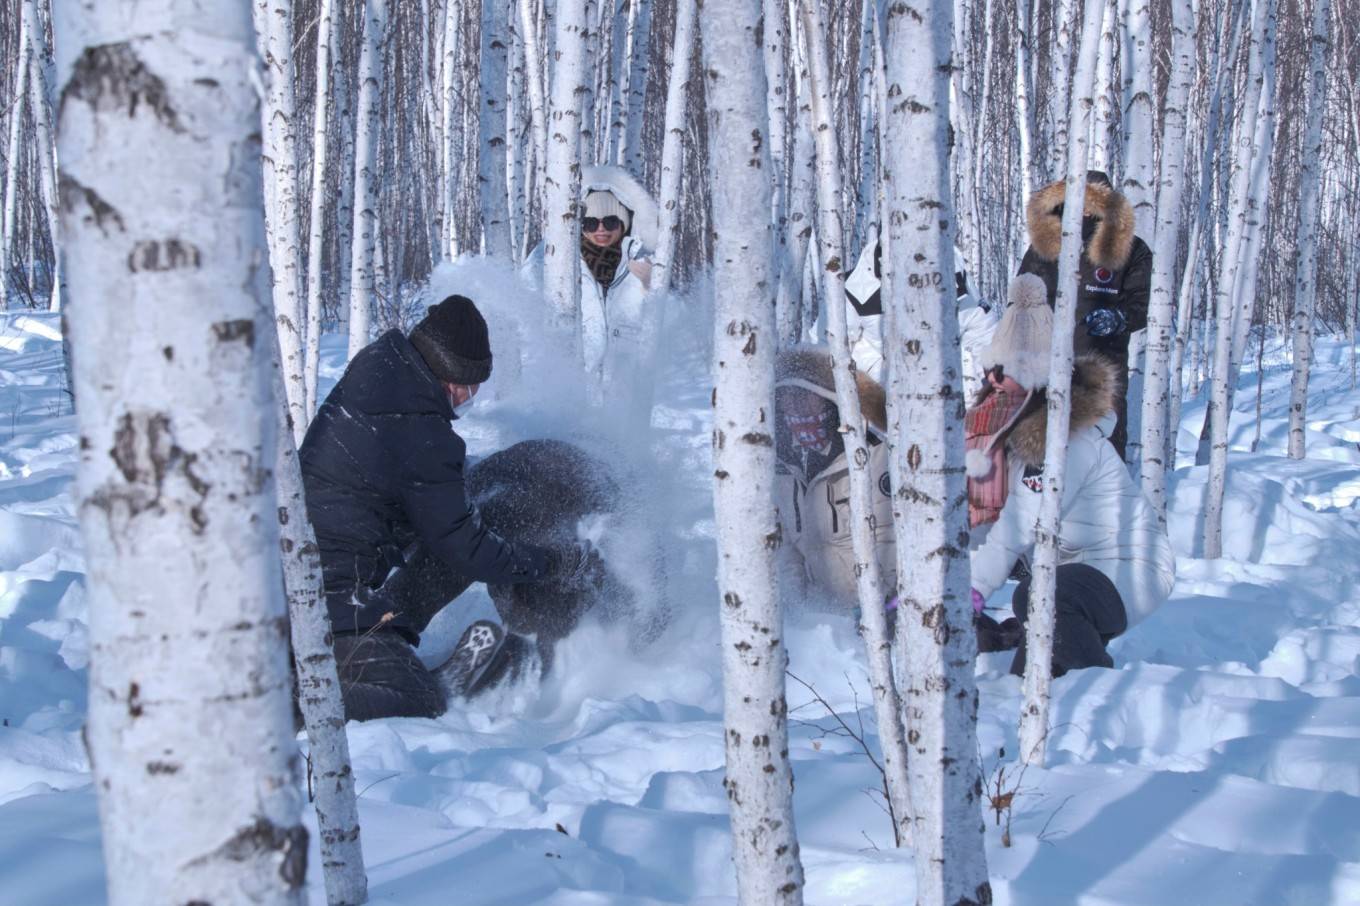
[383,468]
[1116,265]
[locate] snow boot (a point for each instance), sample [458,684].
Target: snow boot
[486,656]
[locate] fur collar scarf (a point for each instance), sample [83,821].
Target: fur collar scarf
[1094,384]
[1112,243]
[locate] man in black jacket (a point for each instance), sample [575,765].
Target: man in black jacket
[1116,274]
[398,536]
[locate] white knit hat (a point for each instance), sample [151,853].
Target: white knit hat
[603,204]
[1024,338]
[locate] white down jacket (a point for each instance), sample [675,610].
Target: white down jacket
[1105,520]
[814,509]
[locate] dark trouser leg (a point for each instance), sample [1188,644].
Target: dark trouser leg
[1089,614]
[417,591]
[380,676]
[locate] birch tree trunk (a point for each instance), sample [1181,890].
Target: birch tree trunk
[535,65]
[759,779]
[1039,627]
[634,159]
[1157,380]
[935,638]
[562,178]
[274,31]
[1024,98]
[1305,283]
[362,284]
[451,132]
[328,36]
[40,105]
[14,157]
[318,683]
[190,720]
[1139,118]
[1060,84]
[491,160]
[887,705]
[1226,305]
[673,150]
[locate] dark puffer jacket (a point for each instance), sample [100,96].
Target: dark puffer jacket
[1116,266]
[383,468]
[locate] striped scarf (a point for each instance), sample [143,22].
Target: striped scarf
[988,477]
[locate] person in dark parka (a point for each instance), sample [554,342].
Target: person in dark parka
[1115,281]
[382,469]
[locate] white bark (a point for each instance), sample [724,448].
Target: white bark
[362,284]
[535,66]
[491,160]
[672,151]
[1305,281]
[274,32]
[887,704]
[190,719]
[562,178]
[1103,134]
[759,777]
[318,684]
[328,36]
[1024,98]
[40,105]
[1161,307]
[935,638]
[1226,305]
[22,68]
[1185,322]
[1139,118]
[639,58]
[1060,85]
[792,300]
[775,48]
[1039,626]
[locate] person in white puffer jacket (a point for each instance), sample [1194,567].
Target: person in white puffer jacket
[618,328]
[864,318]
[1115,563]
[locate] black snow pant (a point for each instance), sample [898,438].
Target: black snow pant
[1089,614]
[380,675]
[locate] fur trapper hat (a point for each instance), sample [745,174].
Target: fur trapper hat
[810,367]
[1111,243]
[1024,338]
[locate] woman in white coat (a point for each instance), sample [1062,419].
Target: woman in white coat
[1115,564]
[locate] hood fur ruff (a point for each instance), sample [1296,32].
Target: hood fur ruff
[1094,383]
[621,184]
[1113,241]
[811,365]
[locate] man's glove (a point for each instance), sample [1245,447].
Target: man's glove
[576,567]
[1104,322]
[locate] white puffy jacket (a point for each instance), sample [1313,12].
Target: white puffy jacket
[1105,520]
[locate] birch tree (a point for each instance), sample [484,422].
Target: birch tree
[887,705]
[491,159]
[1039,627]
[935,638]
[1161,309]
[673,148]
[328,36]
[274,31]
[562,176]
[1305,286]
[40,106]
[1139,116]
[759,778]
[22,68]
[190,719]
[362,281]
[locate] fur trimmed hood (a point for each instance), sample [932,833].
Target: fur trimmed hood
[810,367]
[1094,385]
[630,193]
[1112,243]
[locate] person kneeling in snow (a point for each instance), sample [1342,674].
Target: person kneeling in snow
[812,476]
[1115,564]
[382,469]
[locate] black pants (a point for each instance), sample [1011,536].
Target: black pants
[380,675]
[1089,614]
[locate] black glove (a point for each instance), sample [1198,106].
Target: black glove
[994,636]
[1104,322]
[576,567]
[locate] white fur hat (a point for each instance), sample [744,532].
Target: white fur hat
[601,186]
[1024,338]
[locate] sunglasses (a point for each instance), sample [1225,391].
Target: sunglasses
[591,224]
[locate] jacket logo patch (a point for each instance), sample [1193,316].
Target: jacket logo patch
[884,485]
[1104,275]
[1034,482]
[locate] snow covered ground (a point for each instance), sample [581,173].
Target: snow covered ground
[1218,764]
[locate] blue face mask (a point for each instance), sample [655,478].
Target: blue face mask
[461,409]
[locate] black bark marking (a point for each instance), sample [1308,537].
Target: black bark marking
[240,329]
[161,767]
[757,439]
[73,195]
[134,700]
[111,77]
[263,837]
[160,256]
[750,347]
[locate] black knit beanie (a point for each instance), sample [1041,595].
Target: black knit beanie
[454,343]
